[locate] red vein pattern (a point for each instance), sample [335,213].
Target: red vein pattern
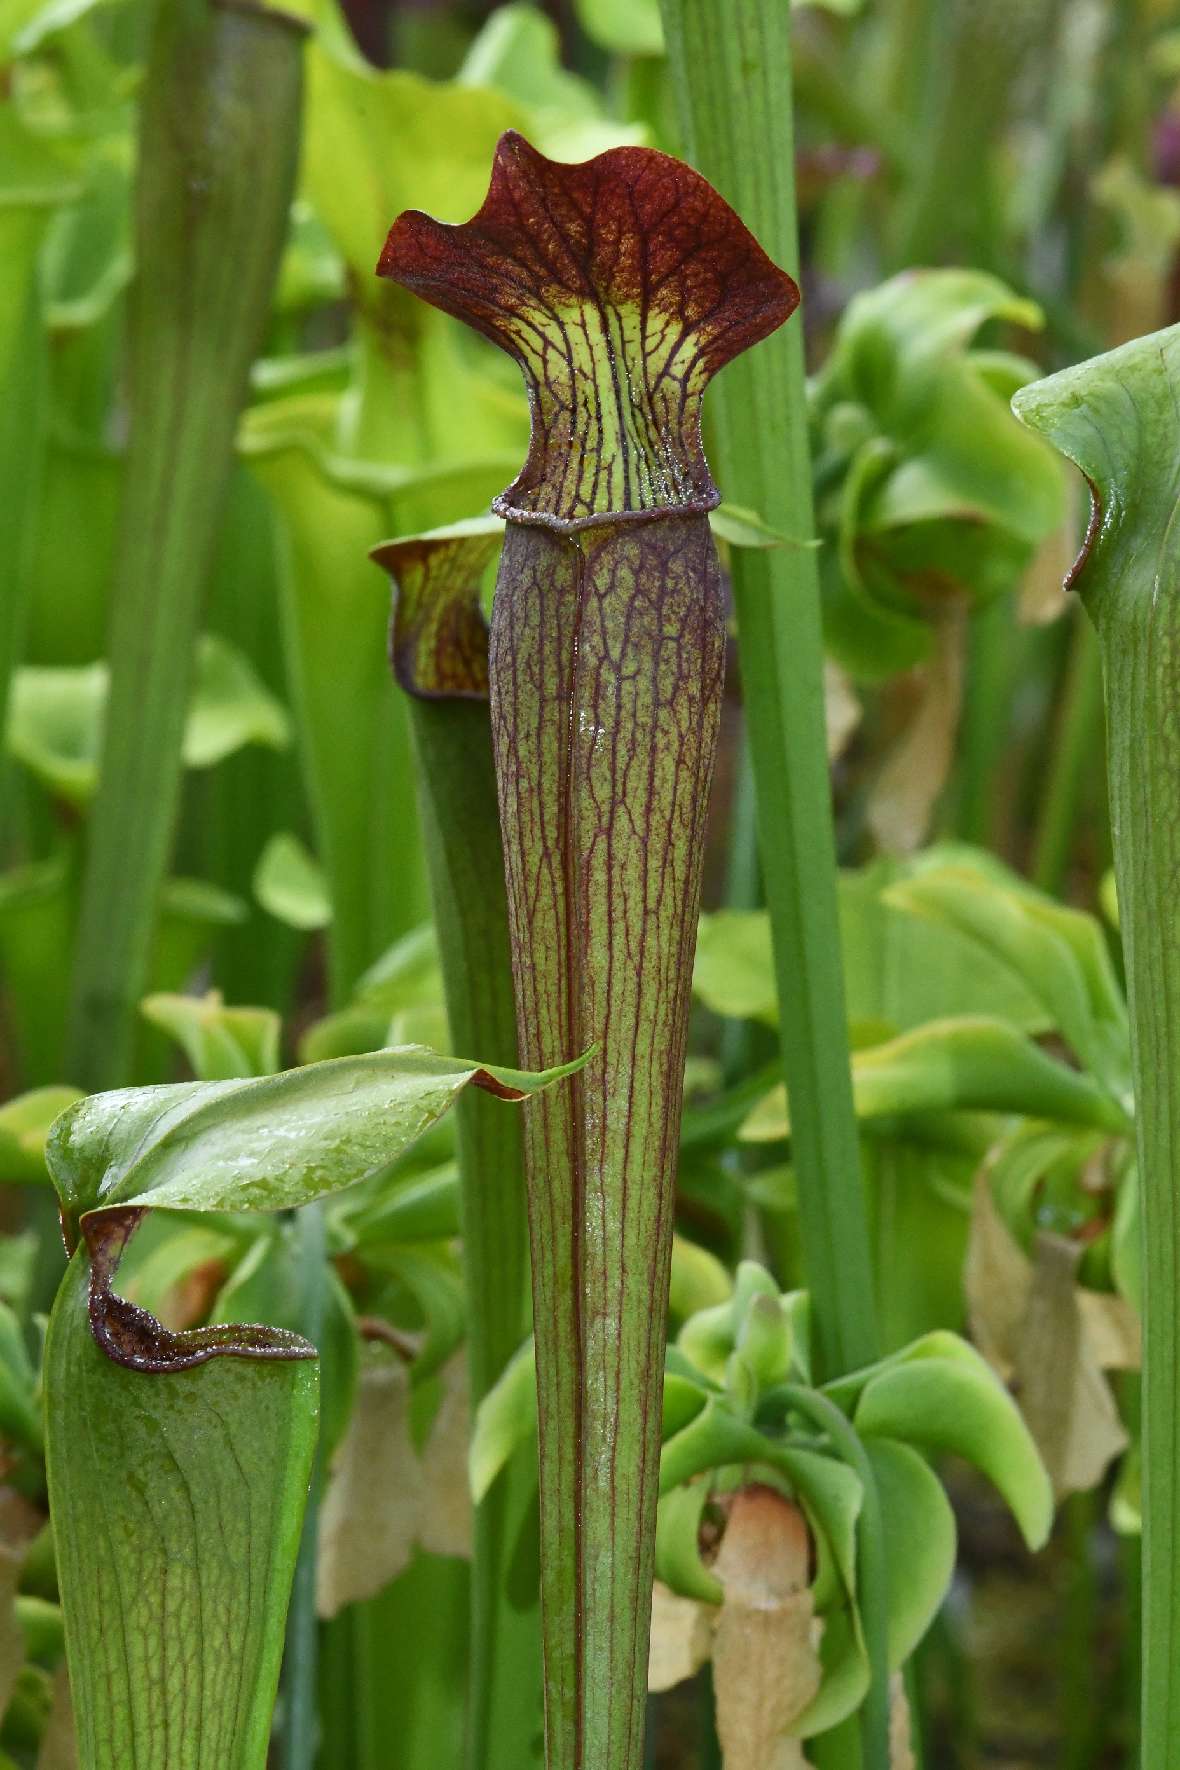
[620,286]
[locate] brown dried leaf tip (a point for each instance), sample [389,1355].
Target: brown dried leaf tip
[620,286]
[438,638]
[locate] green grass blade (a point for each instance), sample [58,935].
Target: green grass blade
[218,140]
[733,85]
[352,729]
[24,371]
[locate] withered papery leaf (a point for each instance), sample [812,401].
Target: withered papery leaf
[905,793]
[842,710]
[59,1742]
[901,1747]
[765,1664]
[619,286]
[384,1497]
[1112,1330]
[445,1527]
[681,1637]
[371,1511]
[1063,1394]
[1051,1339]
[996,1280]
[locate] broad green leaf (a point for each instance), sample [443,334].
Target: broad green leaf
[733,972]
[20,1415]
[347,1034]
[71,566]
[506,1417]
[267,1286]
[175,1498]
[190,909]
[956,1404]
[168,1250]
[1042,1177]
[518,53]
[406,976]
[739,527]
[407,139]
[968,1064]
[18,1255]
[898,972]
[678,1549]
[55,720]
[220,1043]
[1126,1501]
[426,1293]
[24,1127]
[831,1495]
[626,27]
[264,1144]
[1059,953]
[290,884]
[901,972]
[508,1413]
[42,1626]
[709,1337]
[89,255]
[229,707]
[42,18]
[920,1541]
[698,1279]
[311,275]
[35,172]
[420,1207]
[934,494]
[55,726]
[844,1677]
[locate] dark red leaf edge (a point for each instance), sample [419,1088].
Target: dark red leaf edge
[620,285]
[438,637]
[133,1338]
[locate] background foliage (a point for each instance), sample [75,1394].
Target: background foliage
[985,193]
